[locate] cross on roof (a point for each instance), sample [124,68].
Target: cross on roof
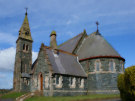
[26,10]
[97,25]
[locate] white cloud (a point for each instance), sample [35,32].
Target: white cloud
[7,58]
[6,80]
[34,56]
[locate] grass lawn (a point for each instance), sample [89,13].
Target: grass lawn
[12,95]
[73,98]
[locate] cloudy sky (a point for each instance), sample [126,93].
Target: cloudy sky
[68,18]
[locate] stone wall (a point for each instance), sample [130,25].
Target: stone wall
[105,80]
[66,89]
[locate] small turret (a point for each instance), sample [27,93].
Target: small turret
[53,42]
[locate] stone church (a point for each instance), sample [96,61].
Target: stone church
[85,64]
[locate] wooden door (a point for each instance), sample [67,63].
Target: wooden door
[41,82]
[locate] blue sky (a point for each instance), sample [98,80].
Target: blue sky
[68,18]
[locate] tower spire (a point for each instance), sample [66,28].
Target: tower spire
[24,31]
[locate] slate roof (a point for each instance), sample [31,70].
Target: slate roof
[70,45]
[64,63]
[95,45]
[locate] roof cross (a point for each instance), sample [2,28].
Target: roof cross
[97,25]
[26,10]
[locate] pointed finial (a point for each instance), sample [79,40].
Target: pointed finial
[26,10]
[84,31]
[97,25]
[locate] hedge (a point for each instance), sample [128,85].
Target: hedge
[126,84]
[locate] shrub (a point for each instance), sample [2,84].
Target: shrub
[126,84]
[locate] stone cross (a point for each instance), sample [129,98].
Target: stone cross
[97,25]
[26,10]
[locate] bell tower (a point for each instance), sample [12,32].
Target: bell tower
[23,58]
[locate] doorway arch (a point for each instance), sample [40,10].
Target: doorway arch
[40,81]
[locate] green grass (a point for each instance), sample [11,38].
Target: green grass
[4,91]
[73,98]
[12,95]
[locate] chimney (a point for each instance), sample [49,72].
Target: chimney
[53,43]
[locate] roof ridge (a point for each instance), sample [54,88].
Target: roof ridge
[60,51]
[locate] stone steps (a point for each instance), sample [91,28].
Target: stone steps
[28,95]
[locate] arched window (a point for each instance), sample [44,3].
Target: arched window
[112,66]
[27,33]
[121,67]
[46,81]
[59,82]
[81,83]
[21,67]
[27,47]
[72,83]
[23,46]
[97,65]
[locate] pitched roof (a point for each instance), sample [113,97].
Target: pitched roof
[70,45]
[95,45]
[65,63]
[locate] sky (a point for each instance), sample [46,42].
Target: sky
[68,18]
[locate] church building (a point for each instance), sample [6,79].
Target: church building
[85,64]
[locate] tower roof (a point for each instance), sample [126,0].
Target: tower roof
[95,46]
[24,31]
[53,33]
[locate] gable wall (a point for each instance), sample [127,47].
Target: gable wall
[41,67]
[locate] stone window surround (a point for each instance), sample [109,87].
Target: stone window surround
[81,83]
[60,84]
[25,48]
[97,60]
[114,65]
[46,81]
[122,66]
[26,81]
[72,83]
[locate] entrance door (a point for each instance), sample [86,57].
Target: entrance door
[41,81]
